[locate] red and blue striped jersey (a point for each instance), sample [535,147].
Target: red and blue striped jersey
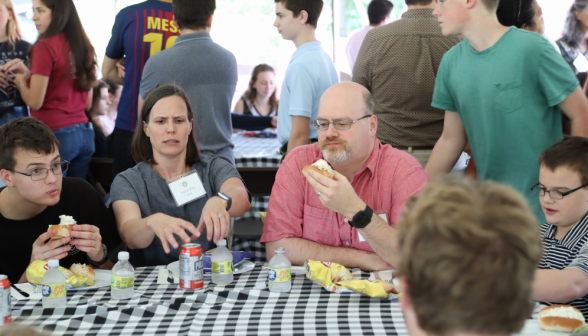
[139,31]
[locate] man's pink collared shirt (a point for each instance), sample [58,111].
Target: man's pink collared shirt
[387,180]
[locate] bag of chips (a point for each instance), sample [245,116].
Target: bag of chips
[37,269]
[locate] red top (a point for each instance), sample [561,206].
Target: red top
[64,104]
[387,180]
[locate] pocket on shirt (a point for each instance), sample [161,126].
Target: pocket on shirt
[318,225]
[508,96]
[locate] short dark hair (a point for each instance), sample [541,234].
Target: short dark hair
[112,87]
[193,14]
[312,7]
[28,134]
[417,2]
[571,152]
[378,10]
[141,147]
[516,13]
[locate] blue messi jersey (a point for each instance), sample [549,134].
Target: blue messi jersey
[139,32]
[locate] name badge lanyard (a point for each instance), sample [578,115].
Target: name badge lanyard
[186,188]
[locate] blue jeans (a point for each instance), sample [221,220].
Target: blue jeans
[19,112]
[76,145]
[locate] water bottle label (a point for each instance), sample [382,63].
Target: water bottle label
[119,283]
[54,291]
[222,267]
[279,275]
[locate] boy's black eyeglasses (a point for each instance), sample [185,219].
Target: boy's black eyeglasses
[340,124]
[38,174]
[555,194]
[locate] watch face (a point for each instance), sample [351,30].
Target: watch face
[363,220]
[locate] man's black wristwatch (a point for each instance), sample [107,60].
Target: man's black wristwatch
[362,218]
[226,198]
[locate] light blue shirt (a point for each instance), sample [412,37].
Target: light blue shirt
[310,73]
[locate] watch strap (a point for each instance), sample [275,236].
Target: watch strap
[101,262]
[362,218]
[226,198]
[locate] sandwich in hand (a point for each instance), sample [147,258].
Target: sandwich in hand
[560,318]
[64,228]
[321,167]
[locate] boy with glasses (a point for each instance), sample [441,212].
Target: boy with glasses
[351,218]
[563,193]
[503,89]
[36,195]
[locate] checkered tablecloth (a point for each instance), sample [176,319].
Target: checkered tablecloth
[244,307]
[256,152]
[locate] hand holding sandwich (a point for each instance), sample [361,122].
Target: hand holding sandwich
[89,240]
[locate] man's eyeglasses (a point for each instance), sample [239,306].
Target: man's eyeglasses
[555,194]
[38,174]
[340,124]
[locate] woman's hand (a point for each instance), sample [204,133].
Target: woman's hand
[17,66]
[216,219]
[166,226]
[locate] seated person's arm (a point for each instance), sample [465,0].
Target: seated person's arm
[218,228]
[138,232]
[298,250]
[53,249]
[300,132]
[575,106]
[239,108]
[448,148]
[110,71]
[560,285]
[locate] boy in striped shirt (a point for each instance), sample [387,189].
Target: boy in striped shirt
[563,194]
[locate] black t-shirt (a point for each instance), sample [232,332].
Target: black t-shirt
[10,96]
[79,200]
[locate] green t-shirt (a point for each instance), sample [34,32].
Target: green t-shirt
[507,97]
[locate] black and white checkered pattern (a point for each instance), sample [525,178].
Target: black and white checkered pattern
[249,245]
[257,204]
[256,152]
[244,307]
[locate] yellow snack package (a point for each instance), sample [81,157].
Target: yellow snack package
[263,214]
[327,274]
[37,269]
[371,288]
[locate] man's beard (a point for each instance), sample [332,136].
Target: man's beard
[333,155]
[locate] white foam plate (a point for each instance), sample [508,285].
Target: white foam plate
[298,270]
[102,280]
[244,266]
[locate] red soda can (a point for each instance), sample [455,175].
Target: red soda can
[191,266]
[5,309]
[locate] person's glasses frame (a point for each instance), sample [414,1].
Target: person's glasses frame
[57,169]
[554,194]
[339,124]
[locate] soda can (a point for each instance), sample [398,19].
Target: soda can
[191,266]
[5,309]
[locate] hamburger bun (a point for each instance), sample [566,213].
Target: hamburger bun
[321,167]
[560,318]
[84,270]
[62,230]
[342,275]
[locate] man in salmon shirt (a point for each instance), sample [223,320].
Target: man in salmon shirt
[351,218]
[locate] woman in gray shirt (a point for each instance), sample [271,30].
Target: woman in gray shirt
[148,217]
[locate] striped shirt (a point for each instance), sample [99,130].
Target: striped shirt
[139,32]
[570,251]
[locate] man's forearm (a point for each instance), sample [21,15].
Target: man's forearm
[382,239]
[444,156]
[580,126]
[296,141]
[558,285]
[298,250]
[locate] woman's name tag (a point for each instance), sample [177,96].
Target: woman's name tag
[187,188]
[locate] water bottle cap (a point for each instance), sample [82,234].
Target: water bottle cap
[222,242]
[280,250]
[123,255]
[53,263]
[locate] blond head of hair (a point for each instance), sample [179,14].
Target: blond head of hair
[12,28]
[468,253]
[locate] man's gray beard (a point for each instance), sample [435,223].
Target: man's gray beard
[336,157]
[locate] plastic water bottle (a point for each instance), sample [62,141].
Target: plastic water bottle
[122,281]
[279,278]
[222,264]
[53,286]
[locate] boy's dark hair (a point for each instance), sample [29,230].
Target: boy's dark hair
[417,2]
[28,134]
[193,14]
[571,152]
[312,7]
[378,10]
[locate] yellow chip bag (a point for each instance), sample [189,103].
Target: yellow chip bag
[262,214]
[37,269]
[371,288]
[327,274]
